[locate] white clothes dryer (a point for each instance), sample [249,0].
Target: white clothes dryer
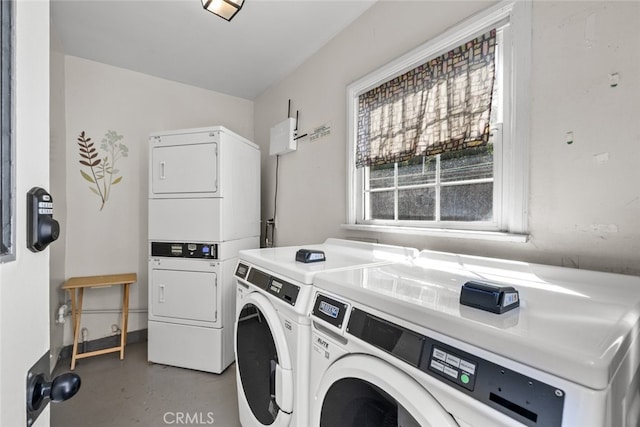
[392,346]
[272,330]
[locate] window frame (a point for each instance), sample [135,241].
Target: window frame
[7,142]
[511,172]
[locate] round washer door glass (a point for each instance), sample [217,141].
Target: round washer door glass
[353,402]
[257,359]
[360,390]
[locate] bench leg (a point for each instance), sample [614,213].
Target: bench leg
[125,319]
[77,311]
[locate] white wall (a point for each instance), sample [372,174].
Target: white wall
[585,197]
[101,98]
[584,201]
[311,189]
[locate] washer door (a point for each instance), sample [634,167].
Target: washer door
[360,390]
[265,381]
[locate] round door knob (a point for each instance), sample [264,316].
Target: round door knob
[62,387]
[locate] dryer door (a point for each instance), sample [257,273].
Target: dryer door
[184,296]
[360,390]
[265,381]
[185,168]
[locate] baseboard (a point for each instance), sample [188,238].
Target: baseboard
[106,342]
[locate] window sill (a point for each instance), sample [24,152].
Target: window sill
[498,236]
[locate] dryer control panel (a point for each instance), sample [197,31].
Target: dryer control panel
[523,398]
[184,250]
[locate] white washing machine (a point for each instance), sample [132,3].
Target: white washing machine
[272,334]
[392,346]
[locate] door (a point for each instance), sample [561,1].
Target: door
[265,381]
[184,296]
[24,282]
[185,168]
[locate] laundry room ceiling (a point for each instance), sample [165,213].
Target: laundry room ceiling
[179,40]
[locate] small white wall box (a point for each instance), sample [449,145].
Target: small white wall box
[282,136]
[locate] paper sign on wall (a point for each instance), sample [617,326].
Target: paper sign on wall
[320,132]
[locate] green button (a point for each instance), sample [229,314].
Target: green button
[464,378]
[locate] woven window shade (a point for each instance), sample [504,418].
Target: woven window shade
[442,105]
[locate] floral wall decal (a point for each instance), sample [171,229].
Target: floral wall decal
[99,170]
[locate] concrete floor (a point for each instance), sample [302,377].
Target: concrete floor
[131,392]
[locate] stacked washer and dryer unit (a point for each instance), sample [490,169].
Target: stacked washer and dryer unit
[392,345]
[204,207]
[273,329]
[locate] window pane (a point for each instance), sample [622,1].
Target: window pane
[472,163]
[473,202]
[381,176]
[417,204]
[381,205]
[420,170]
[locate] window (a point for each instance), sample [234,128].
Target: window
[454,186]
[480,183]
[6,144]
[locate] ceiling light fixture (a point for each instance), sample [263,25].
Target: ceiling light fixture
[225,9]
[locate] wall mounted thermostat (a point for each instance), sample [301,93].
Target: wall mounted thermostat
[42,229]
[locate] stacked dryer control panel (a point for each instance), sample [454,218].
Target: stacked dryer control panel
[204,207]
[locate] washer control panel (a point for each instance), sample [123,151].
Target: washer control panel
[453,367]
[330,310]
[285,291]
[523,398]
[242,270]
